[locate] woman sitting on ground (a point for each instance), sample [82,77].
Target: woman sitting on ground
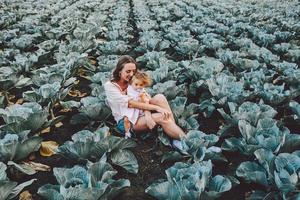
[116,94]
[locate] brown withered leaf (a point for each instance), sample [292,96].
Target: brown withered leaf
[11,97]
[20,101]
[82,73]
[59,124]
[65,110]
[38,166]
[48,148]
[46,130]
[92,60]
[76,93]
[25,195]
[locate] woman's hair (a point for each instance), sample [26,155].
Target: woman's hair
[120,65]
[142,76]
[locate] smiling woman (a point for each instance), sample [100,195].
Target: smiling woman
[116,93]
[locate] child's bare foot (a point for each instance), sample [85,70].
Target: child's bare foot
[127,127]
[127,135]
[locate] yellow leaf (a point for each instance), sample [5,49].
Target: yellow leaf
[19,101]
[48,148]
[59,124]
[25,196]
[46,130]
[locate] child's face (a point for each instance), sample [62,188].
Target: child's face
[137,84]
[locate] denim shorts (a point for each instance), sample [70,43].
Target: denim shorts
[121,126]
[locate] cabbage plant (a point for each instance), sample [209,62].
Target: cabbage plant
[225,88]
[255,79]
[87,145]
[265,135]
[48,94]
[187,47]
[186,115]
[10,79]
[249,111]
[274,94]
[200,146]
[280,172]
[169,88]
[10,189]
[92,108]
[17,147]
[28,116]
[190,182]
[118,47]
[202,68]
[95,181]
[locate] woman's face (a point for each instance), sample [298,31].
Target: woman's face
[127,72]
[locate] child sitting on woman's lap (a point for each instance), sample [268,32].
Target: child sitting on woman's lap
[136,90]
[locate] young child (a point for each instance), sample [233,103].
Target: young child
[136,90]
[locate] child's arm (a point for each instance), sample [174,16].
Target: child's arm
[145,97]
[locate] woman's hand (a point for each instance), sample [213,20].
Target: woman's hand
[150,122]
[166,113]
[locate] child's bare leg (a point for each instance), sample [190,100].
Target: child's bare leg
[127,127]
[145,99]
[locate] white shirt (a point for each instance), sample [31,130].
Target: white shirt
[117,100]
[134,93]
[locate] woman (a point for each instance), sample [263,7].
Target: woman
[117,98]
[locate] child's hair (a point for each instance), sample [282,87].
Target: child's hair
[142,76]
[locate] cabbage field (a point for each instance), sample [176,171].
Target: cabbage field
[229,69]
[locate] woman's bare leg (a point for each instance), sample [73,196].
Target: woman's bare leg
[160,100]
[169,126]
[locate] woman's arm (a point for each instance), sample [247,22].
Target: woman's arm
[140,105]
[144,106]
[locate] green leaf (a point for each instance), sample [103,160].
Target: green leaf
[171,156]
[50,192]
[252,172]
[80,118]
[292,143]
[30,145]
[101,171]
[125,159]
[115,188]
[163,191]
[23,82]
[23,168]
[3,168]
[217,186]
[178,106]
[16,190]
[70,104]
[163,138]
[6,187]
